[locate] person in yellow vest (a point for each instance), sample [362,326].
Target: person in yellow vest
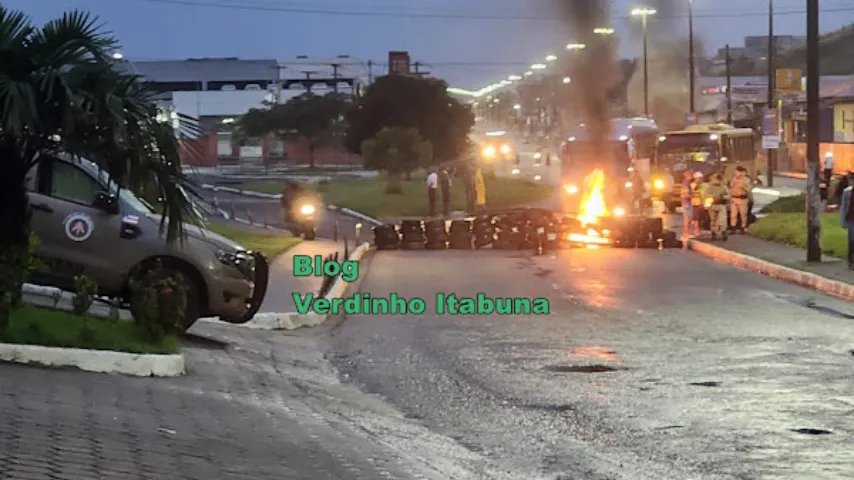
[715,198]
[479,190]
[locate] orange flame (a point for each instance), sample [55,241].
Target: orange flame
[593,202]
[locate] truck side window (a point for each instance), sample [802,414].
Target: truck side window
[68,182]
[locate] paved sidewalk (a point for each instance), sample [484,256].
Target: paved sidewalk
[239,414]
[831,276]
[283,283]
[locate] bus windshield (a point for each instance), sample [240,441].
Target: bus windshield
[688,151]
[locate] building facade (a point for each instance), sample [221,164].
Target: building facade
[215,91]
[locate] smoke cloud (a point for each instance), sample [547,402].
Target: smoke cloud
[594,69]
[668,64]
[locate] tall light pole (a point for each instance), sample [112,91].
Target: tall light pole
[813,131]
[691,68]
[644,13]
[771,153]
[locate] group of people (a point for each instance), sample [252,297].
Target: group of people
[702,199]
[439,182]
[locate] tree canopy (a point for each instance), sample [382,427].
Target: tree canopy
[316,118]
[412,102]
[395,151]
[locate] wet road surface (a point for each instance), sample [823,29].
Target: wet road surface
[659,365]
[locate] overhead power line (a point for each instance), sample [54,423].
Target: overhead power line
[458,16]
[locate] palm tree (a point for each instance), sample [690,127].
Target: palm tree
[62,91]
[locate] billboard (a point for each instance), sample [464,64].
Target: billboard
[398,63]
[788,80]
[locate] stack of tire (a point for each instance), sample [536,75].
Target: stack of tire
[412,234]
[386,237]
[510,232]
[437,236]
[483,231]
[460,235]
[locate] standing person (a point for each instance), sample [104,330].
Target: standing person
[698,210]
[828,167]
[445,187]
[480,191]
[739,189]
[432,185]
[716,197]
[687,207]
[846,217]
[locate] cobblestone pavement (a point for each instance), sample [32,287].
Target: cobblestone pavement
[235,415]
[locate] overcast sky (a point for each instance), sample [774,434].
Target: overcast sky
[462,39]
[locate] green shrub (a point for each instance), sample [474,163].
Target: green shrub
[158,301]
[84,295]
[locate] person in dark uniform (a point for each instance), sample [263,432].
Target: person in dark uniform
[290,194]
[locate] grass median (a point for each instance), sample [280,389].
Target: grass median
[256,239]
[31,325]
[791,229]
[369,197]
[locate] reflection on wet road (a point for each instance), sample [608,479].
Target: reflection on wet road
[652,364]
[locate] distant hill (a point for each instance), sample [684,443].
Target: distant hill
[836,54]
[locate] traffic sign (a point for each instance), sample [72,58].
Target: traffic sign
[770,129]
[789,80]
[770,142]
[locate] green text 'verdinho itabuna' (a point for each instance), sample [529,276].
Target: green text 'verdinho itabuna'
[394,304]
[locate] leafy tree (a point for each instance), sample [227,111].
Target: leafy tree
[396,151]
[316,118]
[61,91]
[412,102]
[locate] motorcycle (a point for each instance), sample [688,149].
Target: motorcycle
[301,221]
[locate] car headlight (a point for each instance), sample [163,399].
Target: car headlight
[538,177]
[658,184]
[571,189]
[489,151]
[538,155]
[629,184]
[240,260]
[515,171]
[505,149]
[307,209]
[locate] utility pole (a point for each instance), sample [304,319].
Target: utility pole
[772,87]
[691,67]
[308,75]
[813,131]
[335,68]
[728,85]
[370,72]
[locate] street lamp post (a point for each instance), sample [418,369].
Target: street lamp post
[771,153]
[644,13]
[691,68]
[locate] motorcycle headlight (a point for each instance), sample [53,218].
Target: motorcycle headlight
[307,209]
[571,189]
[505,149]
[658,184]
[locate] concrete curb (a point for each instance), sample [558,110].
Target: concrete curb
[295,320]
[101,361]
[246,193]
[791,275]
[354,214]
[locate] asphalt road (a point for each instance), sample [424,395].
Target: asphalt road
[658,365]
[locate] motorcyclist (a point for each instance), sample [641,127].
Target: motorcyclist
[290,194]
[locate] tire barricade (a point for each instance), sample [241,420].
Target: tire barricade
[521,229]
